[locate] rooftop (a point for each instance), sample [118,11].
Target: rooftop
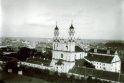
[78,49]
[39,61]
[95,73]
[102,51]
[99,58]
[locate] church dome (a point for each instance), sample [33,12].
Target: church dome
[71,27]
[56,28]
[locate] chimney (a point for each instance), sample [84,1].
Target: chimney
[95,50]
[108,51]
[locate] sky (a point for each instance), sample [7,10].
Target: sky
[92,19]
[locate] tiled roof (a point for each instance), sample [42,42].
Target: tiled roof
[39,61]
[80,62]
[99,58]
[78,49]
[95,73]
[83,63]
[102,51]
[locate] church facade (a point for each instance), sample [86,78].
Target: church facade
[65,51]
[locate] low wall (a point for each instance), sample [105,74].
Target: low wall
[36,65]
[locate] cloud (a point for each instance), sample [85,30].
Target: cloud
[37,18]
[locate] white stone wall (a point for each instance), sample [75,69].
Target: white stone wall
[80,55]
[35,65]
[64,46]
[66,55]
[71,46]
[68,59]
[65,67]
[116,58]
[114,66]
[102,66]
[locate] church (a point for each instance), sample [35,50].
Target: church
[65,51]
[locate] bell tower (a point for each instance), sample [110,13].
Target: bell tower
[71,33]
[71,39]
[56,33]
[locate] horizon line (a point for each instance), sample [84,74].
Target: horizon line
[76,38]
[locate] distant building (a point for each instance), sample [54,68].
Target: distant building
[65,51]
[106,60]
[6,49]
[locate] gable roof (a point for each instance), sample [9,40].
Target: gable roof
[99,58]
[102,51]
[95,73]
[80,62]
[39,61]
[78,49]
[83,63]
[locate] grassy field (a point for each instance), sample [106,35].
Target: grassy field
[13,78]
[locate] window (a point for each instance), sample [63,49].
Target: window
[66,47]
[75,56]
[61,55]
[54,46]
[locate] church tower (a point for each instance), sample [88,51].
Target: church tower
[56,38]
[71,33]
[64,53]
[56,33]
[71,39]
